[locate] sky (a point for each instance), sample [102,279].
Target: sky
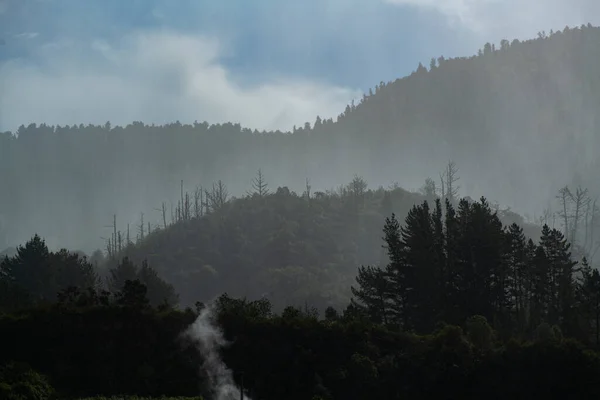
[263,63]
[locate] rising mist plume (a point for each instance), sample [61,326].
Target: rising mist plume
[209,339]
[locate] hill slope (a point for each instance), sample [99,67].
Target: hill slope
[519,119]
[286,247]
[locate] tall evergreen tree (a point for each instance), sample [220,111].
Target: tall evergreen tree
[422,269]
[588,295]
[561,269]
[517,264]
[372,295]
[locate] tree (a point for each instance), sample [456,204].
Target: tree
[422,277]
[125,271]
[397,271]
[517,264]
[565,196]
[372,294]
[561,270]
[588,294]
[72,270]
[217,197]
[259,185]
[357,188]
[452,234]
[448,181]
[37,274]
[481,269]
[133,294]
[30,269]
[480,333]
[429,189]
[158,291]
[19,382]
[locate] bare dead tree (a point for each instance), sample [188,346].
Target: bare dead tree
[594,214]
[221,194]
[217,197]
[141,227]
[307,191]
[115,234]
[580,200]
[545,217]
[109,248]
[565,196]
[259,186]
[198,200]
[429,189]
[442,187]
[187,209]
[112,242]
[163,211]
[120,241]
[450,179]
[181,208]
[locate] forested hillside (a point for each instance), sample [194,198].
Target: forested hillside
[520,119]
[274,243]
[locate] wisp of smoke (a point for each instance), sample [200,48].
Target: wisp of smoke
[209,339]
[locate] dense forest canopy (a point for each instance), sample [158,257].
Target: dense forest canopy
[520,119]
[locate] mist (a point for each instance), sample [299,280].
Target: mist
[66,69]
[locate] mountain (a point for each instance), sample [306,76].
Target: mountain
[520,119]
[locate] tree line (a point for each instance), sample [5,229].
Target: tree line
[132,349]
[35,276]
[447,264]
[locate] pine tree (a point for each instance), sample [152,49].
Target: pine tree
[540,285]
[422,272]
[452,273]
[396,270]
[588,295]
[481,269]
[372,294]
[561,271]
[517,262]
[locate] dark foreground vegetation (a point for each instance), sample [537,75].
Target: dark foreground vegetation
[127,350]
[465,308]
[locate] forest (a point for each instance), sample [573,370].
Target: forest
[183,261]
[519,118]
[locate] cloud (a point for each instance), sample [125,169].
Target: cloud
[27,35]
[154,77]
[465,12]
[510,18]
